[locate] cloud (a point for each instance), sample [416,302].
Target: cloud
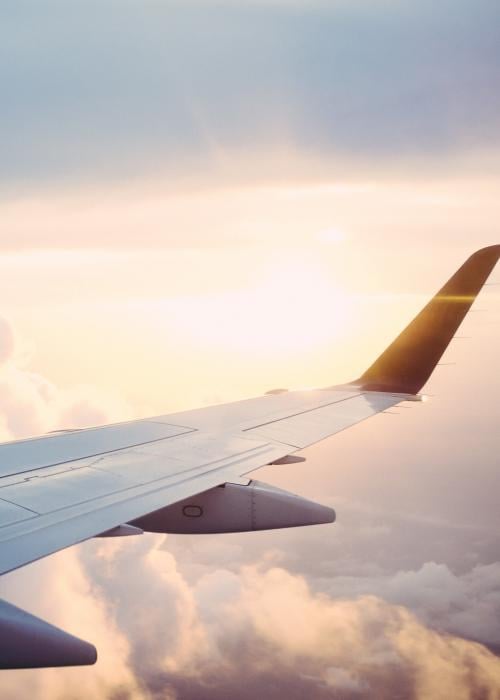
[467,605]
[372,642]
[30,404]
[153,605]
[262,630]
[59,589]
[7,341]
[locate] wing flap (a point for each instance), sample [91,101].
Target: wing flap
[46,494]
[36,453]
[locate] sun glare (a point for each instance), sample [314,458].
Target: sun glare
[294,307]
[332,236]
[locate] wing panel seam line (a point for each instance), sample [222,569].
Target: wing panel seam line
[98,454]
[301,413]
[12,503]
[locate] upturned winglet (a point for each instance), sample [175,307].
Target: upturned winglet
[406,365]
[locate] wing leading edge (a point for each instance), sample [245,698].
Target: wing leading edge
[61,489]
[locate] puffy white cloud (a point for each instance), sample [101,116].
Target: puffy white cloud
[263,630]
[170,627]
[152,602]
[366,637]
[466,604]
[60,590]
[30,404]
[7,340]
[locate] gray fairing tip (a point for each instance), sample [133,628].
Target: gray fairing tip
[27,641]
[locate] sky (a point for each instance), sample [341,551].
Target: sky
[204,200]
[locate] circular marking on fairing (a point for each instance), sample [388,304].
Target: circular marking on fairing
[192,511]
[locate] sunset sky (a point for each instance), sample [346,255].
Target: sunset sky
[204,200]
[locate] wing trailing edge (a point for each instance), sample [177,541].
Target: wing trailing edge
[406,365]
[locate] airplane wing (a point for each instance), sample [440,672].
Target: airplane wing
[187,472]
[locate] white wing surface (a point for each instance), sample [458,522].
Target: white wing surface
[62,489]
